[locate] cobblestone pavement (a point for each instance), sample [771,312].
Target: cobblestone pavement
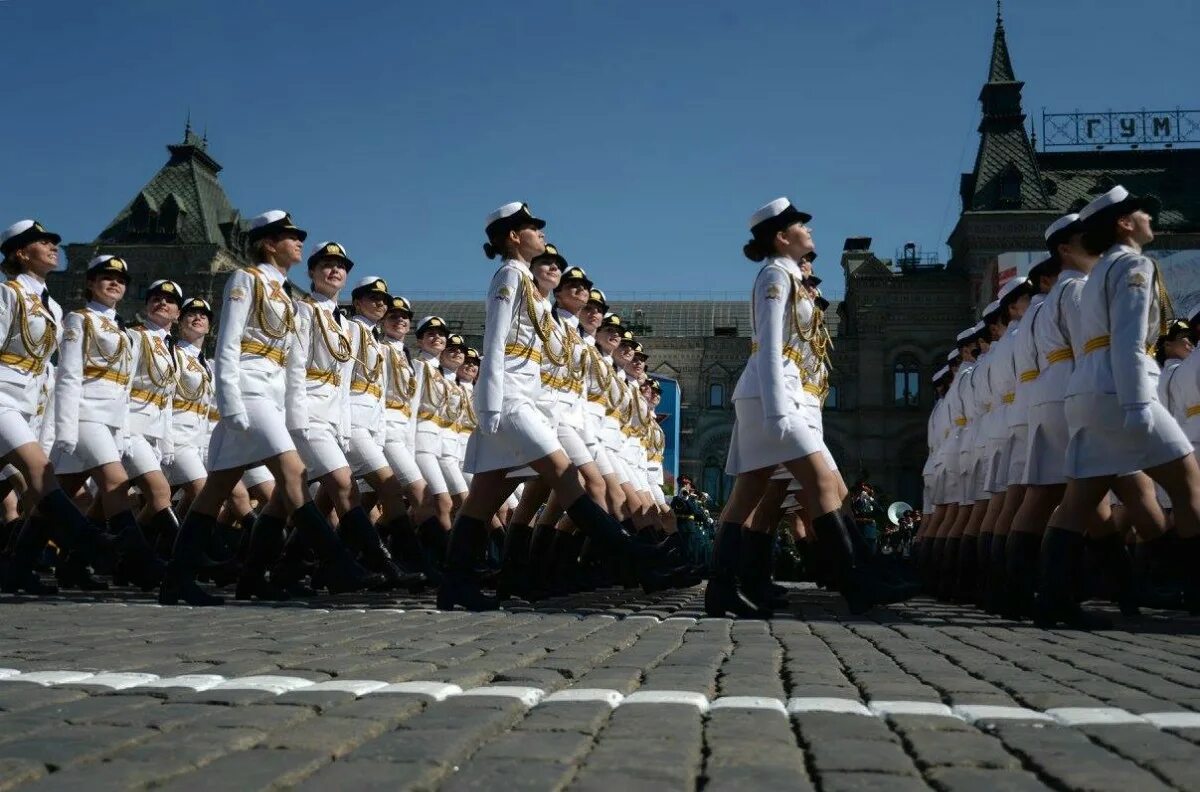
[612,690]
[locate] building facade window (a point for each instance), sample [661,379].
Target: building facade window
[716,395]
[831,399]
[906,382]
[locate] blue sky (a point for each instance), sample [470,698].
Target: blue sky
[644,131]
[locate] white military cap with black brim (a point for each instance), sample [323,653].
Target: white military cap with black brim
[1117,202]
[432,323]
[771,218]
[966,337]
[1050,265]
[273,223]
[639,353]
[611,320]
[953,355]
[472,356]
[197,305]
[331,250]
[167,288]
[551,253]
[455,341]
[372,285]
[940,374]
[1014,290]
[813,281]
[108,265]
[22,233]
[509,217]
[992,312]
[401,306]
[1061,230]
[576,275]
[597,298]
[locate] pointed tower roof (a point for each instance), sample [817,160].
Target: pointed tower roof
[1006,174]
[183,203]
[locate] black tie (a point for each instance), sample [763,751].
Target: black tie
[120,321]
[339,315]
[46,301]
[287,288]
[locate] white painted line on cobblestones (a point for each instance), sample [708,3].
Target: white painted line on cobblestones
[750,703]
[7,672]
[529,696]
[121,681]
[1174,720]
[438,691]
[195,682]
[1093,716]
[688,619]
[359,687]
[840,706]
[267,682]
[688,697]
[612,698]
[45,678]
[978,712]
[643,617]
[932,709]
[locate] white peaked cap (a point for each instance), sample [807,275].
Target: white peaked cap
[978,328]
[769,210]
[952,355]
[1110,198]
[19,227]
[970,332]
[368,280]
[266,218]
[1060,224]
[992,307]
[508,210]
[943,371]
[1011,286]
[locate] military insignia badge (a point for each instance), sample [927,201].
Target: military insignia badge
[71,334]
[1137,280]
[504,294]
[237,294]
[774,292]
[168,287]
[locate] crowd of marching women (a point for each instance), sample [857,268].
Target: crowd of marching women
[1061,461]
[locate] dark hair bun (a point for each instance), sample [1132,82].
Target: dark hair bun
[754,250]
[489,250]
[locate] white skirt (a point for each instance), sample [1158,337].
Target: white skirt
[365,453]
[524,436]
[1018,443]
[573,444]
[320,449]
[951,485]
[14,430]
[452,472]
[430,469]
[1046,445]
[96,446]
[142,456]
[188,466]
[259,474]
[404,465]
[267,437]
[603,461]
[1101,446]
[750,447]
[996,476]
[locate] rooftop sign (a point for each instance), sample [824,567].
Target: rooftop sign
[1133,128]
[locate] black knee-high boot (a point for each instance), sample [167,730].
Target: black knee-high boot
[362,537]
[1021,572]
[861,588]
[604,529]
[517,568]
[1061,565]
[754,570]
[433,549]
[264,548]
[18,570]
[339,570]
[964,575]
[1117,567]
[405,547]
[948,574]
[136,561]
[722,595]
[460,584]
[179,579]
[997,583]
[983,564]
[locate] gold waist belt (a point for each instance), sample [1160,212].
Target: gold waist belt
[370,388]
[98,372]
[517,350]
[402,406]
[159,400]
[428,415]
[1009,397]
[1102,342]
[1059,355]
[1193,410]
[317,375]
[183,405]
[30,365]
[561,383]
[252,347]
[1029,376]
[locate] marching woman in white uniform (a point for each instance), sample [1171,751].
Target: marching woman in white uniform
[192,404]
[400,409]
[257,333]
[513,432]
[432,420]
[31,327]
[459,415]
[1117,424]
[97,362]
[772,428]
[591,317]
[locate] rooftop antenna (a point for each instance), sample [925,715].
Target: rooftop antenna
[999,14]
[187,127]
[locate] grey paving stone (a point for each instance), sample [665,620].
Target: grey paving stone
[19,771]
[495,773]
[971,779]
[582,717]
[67,745]
[1074,761]
[869,782]
[737,778]
[17,696]
[848,755]
[934,748]
[336,736]
[562,747]
[197,747]
[827,726]
[254,769]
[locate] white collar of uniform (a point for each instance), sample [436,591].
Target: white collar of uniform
[1122,248]
[322,299]
[1070,274]
[272,272]
[1012,326]
[467,386]
[621,375]
[568,317]
[427,356]
[364,321]
[521,265]
[188,347]
[1171,363]
[154,329]
[396,342]
[788,263]
[589,339]
[1037,299]
[102,309]
[31,284]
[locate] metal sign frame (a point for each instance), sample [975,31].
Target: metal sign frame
[1166,128]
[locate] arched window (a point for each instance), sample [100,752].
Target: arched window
[714,481]
[716,395]
[168,218]
[906,382]
[1010,186]
[141,215]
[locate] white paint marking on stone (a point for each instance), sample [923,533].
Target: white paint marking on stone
[688,619]
[1093,716]
[45,678]
[1174,720]
[7,672]
[195,682]
[390,610]
[601,616]
[977,712]
[688,697]
[438,691]
[359,687]
[612,698]
[749,702]
[267,682]
[841,706]
[886,708]
[121,680]
[529,696]
[642,617]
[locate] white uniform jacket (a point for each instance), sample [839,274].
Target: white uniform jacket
[1002,376]
[400,395]
[564,368]
[152,388]
[30,331]
[1025,363]
[510,372]
[257,332]
[95,366]
[781,316]
[1119,317]
[367,377]
[1052,332]
[323,357]
[1184,387]
[192,404]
